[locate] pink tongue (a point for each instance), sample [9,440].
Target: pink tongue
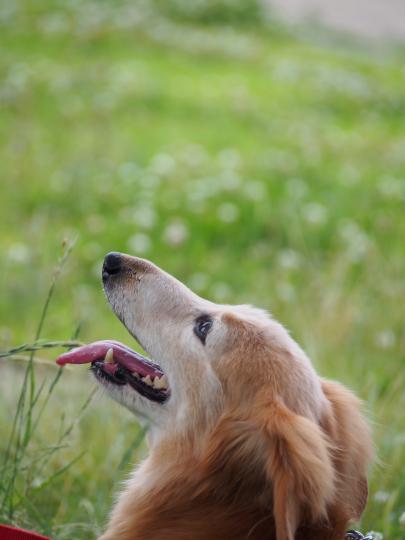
[122,355]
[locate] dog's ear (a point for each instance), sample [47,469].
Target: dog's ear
[349,431]
[298,465]
[274,455]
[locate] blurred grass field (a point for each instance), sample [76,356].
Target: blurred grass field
[256,163]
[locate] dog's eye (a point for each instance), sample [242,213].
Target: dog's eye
[202,326]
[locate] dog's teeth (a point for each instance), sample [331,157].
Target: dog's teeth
[147,380]
[109,357]
[160,382]
[157,383]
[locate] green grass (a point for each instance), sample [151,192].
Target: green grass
[255,165]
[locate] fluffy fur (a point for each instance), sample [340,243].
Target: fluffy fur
[252,443]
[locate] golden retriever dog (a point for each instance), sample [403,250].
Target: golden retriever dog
[246,441]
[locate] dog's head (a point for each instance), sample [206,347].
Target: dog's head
[213,356]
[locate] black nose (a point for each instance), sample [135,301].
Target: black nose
[112,264]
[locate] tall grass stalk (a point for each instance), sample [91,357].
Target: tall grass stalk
[28,413]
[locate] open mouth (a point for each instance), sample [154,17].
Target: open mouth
[115,363]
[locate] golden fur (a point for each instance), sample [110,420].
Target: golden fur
[274,453]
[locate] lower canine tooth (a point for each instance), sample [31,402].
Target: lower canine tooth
[109,357]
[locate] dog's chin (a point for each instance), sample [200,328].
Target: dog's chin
[138,405]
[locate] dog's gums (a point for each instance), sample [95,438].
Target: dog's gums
[115,363]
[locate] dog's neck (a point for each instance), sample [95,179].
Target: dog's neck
[168,497]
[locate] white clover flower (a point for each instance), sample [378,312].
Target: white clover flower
[127,18]
[381,496]
[54,23]
[176,233]
[357,242]
[348,229]
[228,212]
[289,259]
[163,164]
[314,213]
[124,76]
[385,339]
[254,190]
[139,243]
[18,253]
[38,481]
[18,76]
[144,216]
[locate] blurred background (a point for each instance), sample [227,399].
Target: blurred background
[254,150]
